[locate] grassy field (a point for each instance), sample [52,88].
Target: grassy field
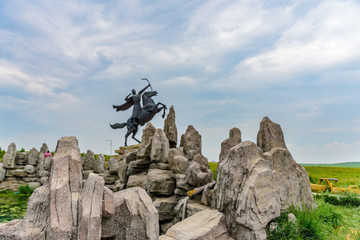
[345,164]
[346,176]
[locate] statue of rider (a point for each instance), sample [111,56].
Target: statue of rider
[133,99]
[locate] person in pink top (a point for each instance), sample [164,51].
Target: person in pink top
[47,154]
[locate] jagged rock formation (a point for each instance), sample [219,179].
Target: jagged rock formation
[63,210]
[191,140]
[233,140]
[8,160]
[170,128]
[253,186]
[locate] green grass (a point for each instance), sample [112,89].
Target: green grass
[327,221]
[13,205]
[346,176]
[345,164]
[213,167]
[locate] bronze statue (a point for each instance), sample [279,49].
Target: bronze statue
[140,115]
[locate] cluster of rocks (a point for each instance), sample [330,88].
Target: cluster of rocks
[20,168]
[159,188]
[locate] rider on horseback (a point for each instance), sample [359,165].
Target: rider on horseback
[135,100]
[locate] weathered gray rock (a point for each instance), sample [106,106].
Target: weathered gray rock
[34,184]
[251,191]
[113,165]
[29,169]
[47,163]
[33,157]
[145,146]
[109,178]
[135,216]
[233,140]
[91,208]
[35,222]
[65,190]
[170,128]
[138,166]
[270,135]
[2,172]
[89,160]
[159,147]
[137,180]
[179,164]
[191,140]
[198,173]
[21,158]
[16,172]
[99,164]
[122,171]
[107,224]
[160,182]
[8,160]
[204,225]
[181,182]
[165,207]
[41,161]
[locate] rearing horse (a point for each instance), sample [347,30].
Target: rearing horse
[147,112]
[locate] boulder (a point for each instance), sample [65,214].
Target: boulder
[91,208]
[113,165]
[17,173]
[89,160]
[107,223]
[36,219]
[33,157]
[99,164]
[160,182]
[41,161]
[65,190]
[165,207]
[251,193]
[122,171]
[135,216]
[179,164]
[204,225]
[191,140]
[233,140]
[2,172]
[137,180]
[29,169]
[47,163]
[138,166]
[198,172]
[159,147]
[146,139]
[181,182]
[21,158]
[8,160]
[170,128]
[109,178]
[270,135]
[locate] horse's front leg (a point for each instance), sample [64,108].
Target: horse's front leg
[134,133]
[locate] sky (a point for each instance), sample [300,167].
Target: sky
[221,64]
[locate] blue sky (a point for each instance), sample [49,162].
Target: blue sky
[222,64]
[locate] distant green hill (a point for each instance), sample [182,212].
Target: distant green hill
[345,164]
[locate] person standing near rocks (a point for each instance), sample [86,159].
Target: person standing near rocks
[47,154]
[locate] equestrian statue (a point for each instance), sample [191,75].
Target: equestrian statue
[141,114]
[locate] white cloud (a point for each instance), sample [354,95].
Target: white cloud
[180,81]
[325,37]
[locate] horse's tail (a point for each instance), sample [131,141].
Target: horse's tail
[117,125]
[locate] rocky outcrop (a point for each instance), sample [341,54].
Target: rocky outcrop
[191,140]
[253,186]
[2,172]
[159,147]
[89,160]
[91,208]
[8,160]
[99,164]
[233,140]
[204,225]
[113,165]
[170,128]
[33,157]
[160,182]
[198,173]
[65,190]
[145,146]
[270,135]
[135,215]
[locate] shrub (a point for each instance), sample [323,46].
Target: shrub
[26,189]
[22,150]
[346,199]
